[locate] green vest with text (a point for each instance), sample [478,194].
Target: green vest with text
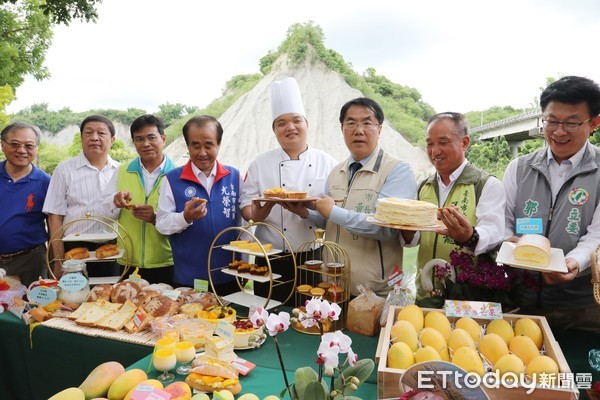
[150,248]
[464,195]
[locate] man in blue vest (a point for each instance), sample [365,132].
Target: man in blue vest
[133,190]
[198,201]
[559,185]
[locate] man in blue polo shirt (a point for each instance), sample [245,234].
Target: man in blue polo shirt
[23,188]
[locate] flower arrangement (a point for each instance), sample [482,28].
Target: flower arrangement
[309,384]
[478,278]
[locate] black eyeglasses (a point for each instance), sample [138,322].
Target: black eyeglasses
[569,127]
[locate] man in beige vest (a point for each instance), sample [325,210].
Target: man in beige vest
[367,175]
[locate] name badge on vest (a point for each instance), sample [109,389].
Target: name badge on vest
[529,225]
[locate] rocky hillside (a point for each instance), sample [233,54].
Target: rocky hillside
[247,123]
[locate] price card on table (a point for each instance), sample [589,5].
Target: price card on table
[473,309]
[200,285]
[225,330]
[148,392]
[42,295]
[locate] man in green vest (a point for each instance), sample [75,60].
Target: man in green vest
[134,190]
[471,201]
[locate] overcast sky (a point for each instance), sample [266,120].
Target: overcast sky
[460,55]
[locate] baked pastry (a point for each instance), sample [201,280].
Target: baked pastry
[101,291]
[160,306]
[317,291]
[117,320]
[324,285]
[145,296]
[533,250]
[276,192]
[124,291]
[245,267]
[191,309]
[158,287]
[304,288]
[211,375]
[406,212]
[236,243]
[236,264]
[313,264]
[261,271]
[335,293]
[107,250]
[256,247]
[78,253]
[295,195]
[219,348]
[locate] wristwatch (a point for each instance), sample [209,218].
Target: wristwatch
[472,241]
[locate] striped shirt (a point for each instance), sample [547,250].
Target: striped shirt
[76,189]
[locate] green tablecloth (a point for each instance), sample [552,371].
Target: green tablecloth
[53,360]
[61,359]
[298,350]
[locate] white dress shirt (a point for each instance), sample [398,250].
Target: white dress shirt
[588,243]
[274,169]
[168,221]
[489,210]
[75,189]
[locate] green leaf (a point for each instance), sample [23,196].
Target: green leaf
[302,377]
[362,370]
[315,391]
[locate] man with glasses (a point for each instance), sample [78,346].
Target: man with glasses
[559,186]
[23,188]
[76,189]
[472,200]
[367,175]
[133,194]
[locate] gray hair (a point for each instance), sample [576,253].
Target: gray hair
[462,127]
[15,126]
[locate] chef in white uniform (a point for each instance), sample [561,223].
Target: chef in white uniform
[293,166]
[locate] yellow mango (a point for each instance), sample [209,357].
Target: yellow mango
[400,356]
[125,382]
[404,331]
[509,363]
[100,379]
[528,327]
[471,326]
[413,314]
[459,338]
[427,353]
[493,347]
[524,348]
[149,382]
[431,337]
[543,365]
[501,328]
[71,393]
[439,322]
[468,359]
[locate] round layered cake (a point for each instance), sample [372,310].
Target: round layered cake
[406,212]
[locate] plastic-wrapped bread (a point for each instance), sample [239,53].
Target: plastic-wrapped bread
[533,249]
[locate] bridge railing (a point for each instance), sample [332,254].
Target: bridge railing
[508,121]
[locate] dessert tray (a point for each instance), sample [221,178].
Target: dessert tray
[281,200]
[93,257]
[557,259]
[371,218]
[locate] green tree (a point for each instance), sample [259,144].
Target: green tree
[50,155]
[171,112]
[492,156]
[6,96]
[64,11]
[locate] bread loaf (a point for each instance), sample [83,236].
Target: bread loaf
[533,249]
[124,291]
[78,253]
[101,291]
[107,250]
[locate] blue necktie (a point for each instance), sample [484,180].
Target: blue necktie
[355,166]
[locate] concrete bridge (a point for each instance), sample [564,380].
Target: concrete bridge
[515,129]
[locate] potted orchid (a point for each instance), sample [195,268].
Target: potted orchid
[309,384]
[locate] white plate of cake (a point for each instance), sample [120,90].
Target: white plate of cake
[406,214]
[556,262]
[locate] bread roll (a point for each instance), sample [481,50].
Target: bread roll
[78,253]
[533,249]
[107,250]
[101,291]
[124,291]
[160,306]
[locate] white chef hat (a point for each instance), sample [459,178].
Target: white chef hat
[285,98]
